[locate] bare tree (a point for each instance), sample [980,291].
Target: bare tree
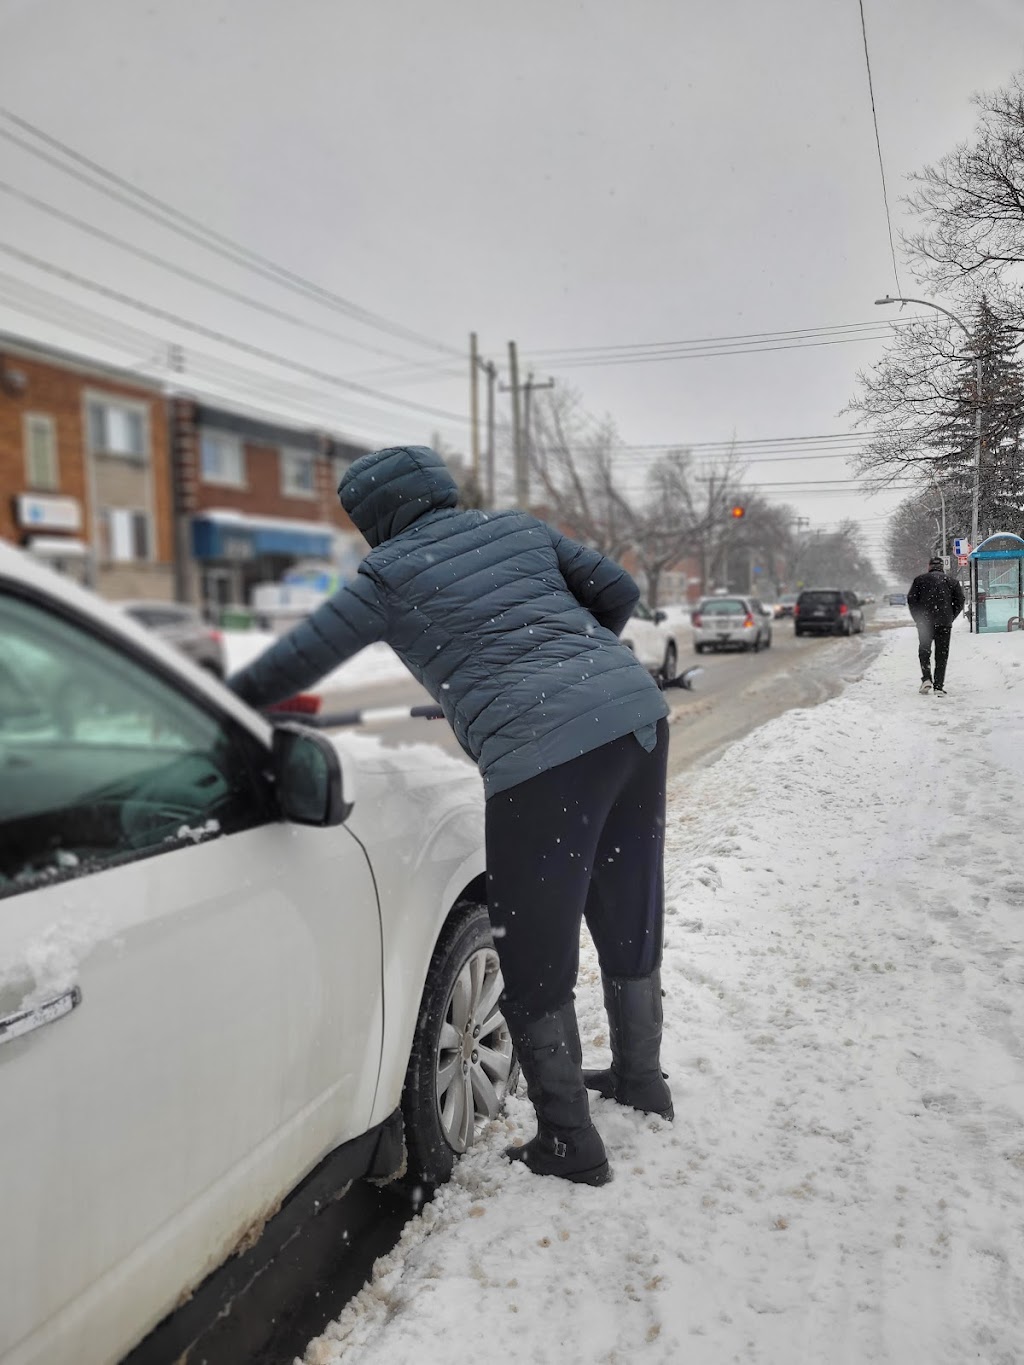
[971,203]
[573,460]
[913,534]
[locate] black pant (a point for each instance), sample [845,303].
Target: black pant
[927,631]
[583,839]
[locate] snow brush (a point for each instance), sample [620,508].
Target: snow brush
[305,708]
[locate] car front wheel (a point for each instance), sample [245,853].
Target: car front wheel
[462,1065]
[670,667]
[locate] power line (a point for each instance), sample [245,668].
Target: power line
[212,334]
[715,353]
[566,352]
[878,144]
[162,263]
[158,210]
[204,372]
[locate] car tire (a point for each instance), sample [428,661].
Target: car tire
[441,1121]
[768,642]
[670,667]
[755,647]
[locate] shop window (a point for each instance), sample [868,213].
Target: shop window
[117,429]
[222,459]
[298,474]
[41,472]
[124,535]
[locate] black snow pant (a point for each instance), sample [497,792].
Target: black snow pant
[585,839]
[927,632]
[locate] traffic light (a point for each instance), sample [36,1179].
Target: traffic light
[738,512]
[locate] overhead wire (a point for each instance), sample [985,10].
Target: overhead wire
[878,145]
[194,277]
[222,338]
[204,373]
[158,210]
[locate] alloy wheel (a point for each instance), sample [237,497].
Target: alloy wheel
[474,1054]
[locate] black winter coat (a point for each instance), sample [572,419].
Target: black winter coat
[935,597]
[509,625]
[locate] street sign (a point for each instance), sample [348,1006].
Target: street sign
[946,563]
[962,561]
[961,547]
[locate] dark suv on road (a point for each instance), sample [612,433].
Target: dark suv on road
[828,611]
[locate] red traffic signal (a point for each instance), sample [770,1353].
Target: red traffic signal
[739,511]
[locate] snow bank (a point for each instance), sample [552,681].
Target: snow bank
[844,1181]
[377,663]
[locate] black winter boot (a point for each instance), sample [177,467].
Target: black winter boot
[634,1029]
[567,1143]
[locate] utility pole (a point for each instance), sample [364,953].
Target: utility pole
[474,406]
[491,370]
[521,474]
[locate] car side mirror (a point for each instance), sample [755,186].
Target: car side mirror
[307,776]
[659,617]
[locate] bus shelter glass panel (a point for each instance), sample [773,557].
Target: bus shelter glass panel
[997,584]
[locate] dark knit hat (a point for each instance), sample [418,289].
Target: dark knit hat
[935,563]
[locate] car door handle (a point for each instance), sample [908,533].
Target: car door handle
[25,1021]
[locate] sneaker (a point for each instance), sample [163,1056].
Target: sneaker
[925,686]
[940,691]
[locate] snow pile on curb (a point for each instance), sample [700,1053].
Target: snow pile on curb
[844,1181]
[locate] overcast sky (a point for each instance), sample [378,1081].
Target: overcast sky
[568,175]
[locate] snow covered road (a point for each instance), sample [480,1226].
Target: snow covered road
[844,1181]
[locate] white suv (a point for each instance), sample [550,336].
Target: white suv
[231,958]
[731,622]
[653,642]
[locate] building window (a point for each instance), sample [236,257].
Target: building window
[125,535]
[41,473]
[298,474]
[222,459]
[117,429]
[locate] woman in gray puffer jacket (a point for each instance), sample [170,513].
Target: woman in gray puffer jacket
[513,629]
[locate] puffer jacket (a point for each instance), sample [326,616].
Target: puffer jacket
[935,597]
[510,626]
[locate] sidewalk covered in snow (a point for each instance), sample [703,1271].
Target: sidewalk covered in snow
[844,1181]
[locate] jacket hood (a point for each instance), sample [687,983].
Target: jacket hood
[386,491]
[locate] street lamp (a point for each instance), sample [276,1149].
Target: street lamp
[977,410]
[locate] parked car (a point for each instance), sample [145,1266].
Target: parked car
[897,599]
[785,604]
[731,622]
[182,626]
[653,642]
[828,611]
[239,965]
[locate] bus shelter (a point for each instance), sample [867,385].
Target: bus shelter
[997,584]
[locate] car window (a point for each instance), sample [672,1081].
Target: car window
[819,599]
[101,760]
[643,612]
[724,606]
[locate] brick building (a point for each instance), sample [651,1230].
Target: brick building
[251,498]
[84,472]
[145,494]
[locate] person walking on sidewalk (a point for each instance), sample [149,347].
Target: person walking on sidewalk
[514,630]
[935,601]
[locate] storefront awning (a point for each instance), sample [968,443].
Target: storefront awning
[235,536]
